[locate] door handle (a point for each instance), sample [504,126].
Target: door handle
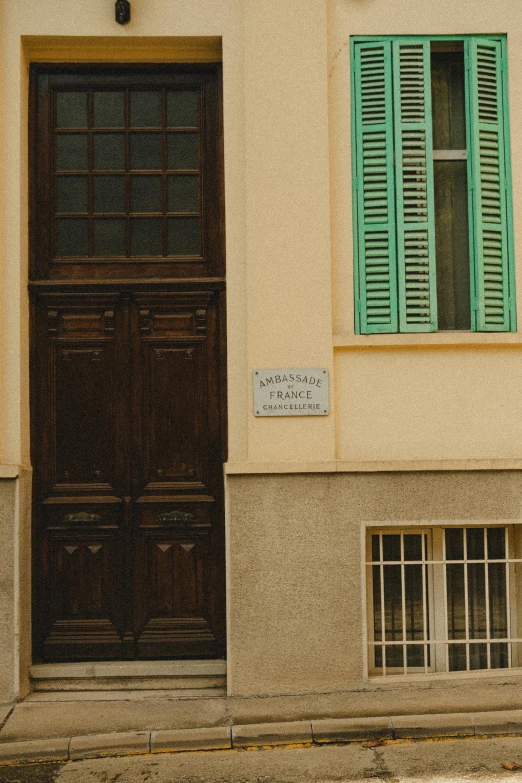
[82,518]
[175,518]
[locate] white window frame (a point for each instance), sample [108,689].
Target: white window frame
[435,600]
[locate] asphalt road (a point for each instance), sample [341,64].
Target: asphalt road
[455,761]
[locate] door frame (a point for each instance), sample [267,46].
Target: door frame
[38,287]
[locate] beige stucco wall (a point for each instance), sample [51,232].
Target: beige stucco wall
[422,402]
[288,219]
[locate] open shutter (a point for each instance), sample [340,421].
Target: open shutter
[415,193]
[376,273]
[487,176]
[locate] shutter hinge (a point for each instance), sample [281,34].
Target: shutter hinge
[356,183]
[358,305]
[474,305]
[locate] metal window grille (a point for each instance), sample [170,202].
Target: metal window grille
[442,599]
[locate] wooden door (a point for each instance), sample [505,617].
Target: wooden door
[127,375]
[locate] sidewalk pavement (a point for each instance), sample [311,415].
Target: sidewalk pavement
[130,723]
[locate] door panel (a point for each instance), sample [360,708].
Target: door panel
[178,530]
[129,509]
[85,426]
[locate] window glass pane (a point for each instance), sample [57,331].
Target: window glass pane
[452,244]
[145,109]
[72,237]
[72,194]
[377,617]
[71,109]
[183,193]
[478,656]
[393,613]
[497,600]
[146,193]
[71,152]
[182,151]
[457,657]
[477,600]
[447,95]
[109,193]
[109,237]
[183,109]
[412,547]
[454,543]
[109,109]
[475,543]
[184,236]
[496,543]
[451,191]
[146,152]
[391,547]
[146,236]
[375,548]
[109,151]
[456,603]
[499,656]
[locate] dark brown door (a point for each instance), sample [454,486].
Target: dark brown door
[127,376]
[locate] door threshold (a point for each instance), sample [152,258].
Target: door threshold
[129,675]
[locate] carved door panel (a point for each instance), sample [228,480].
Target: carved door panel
[78,413]
[128,498]
[177,476]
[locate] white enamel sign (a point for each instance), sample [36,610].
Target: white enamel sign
[294,392]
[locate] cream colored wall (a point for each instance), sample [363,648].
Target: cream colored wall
[288,219]
[405,398]
[277,195]
[289,235]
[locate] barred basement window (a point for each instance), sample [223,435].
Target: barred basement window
[432,185]
[443,599]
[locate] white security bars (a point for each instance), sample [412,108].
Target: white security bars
[442,599]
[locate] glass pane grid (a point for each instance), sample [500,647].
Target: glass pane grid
[440,600]
[138,152]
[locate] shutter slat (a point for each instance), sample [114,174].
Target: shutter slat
[486,169]
[375,207]
[414,186]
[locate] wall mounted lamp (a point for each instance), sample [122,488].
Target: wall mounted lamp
[123,11]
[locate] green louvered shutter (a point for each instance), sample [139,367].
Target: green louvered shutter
[376,273]
[487,176]
[414,184]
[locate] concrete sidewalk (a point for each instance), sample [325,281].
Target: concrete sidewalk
[64,727]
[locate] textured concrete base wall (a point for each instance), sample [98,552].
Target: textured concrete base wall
[8,619]
[15,586]
[296,575]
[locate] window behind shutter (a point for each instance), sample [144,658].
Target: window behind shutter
[487,175]
[415,195]
[374,188]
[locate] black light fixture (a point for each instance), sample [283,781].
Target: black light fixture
[123,11]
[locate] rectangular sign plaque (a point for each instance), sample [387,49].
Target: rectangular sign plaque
[297,392]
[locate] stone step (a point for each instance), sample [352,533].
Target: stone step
[131,675]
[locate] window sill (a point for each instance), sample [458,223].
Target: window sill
[500,675]
[428,340]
